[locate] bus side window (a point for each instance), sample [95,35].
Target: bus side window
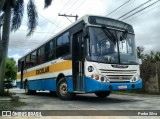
[66,43]
[40,55]
[47,49]
[27,62]
[33,58]
[52,50]
[59,50]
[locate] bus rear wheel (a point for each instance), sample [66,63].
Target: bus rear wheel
[102,94]
[27,91]
[62,90]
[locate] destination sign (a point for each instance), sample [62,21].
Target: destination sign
[42,70]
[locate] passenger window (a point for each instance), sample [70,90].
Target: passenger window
[52,44]
[47,47]
[41,57]
[33,58]
[27,62]
[66,38]
[63,47]
[20,64]
[59,41]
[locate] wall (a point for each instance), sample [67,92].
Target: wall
[150,74]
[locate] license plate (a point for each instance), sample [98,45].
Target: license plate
[122,87]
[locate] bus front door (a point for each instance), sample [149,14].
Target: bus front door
[77,62]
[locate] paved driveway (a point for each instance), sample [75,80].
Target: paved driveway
[45,101]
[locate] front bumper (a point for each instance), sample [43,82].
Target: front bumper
[92,85]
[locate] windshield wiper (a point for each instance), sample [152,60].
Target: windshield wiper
[124,35]
[109,34]
[112,38]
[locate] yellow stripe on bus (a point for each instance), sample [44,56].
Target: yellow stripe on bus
[58,67]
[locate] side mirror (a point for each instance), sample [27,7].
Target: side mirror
[85,33]
[140,61]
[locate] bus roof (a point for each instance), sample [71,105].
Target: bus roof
[83,18]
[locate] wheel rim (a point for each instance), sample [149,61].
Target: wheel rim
[63,89]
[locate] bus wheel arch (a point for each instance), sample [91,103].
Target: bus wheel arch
[27,90]
[62,89]
[61,75]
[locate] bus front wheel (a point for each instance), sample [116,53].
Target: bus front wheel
[102,94]
[62,90]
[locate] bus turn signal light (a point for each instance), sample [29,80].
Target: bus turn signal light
[95,77]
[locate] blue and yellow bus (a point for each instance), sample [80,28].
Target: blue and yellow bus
[93,55]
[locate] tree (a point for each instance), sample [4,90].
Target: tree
[140,50]
[152,57]
[17,8]
[157,56]
[11,69]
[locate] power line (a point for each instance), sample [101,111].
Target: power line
[144,13]
[118,8]
[64,6]
[134,9]
[141,10]
[60,11]
[66,11]
[36,31]
[82,2]
[126,6]
[50,21]
[74,10]
[47,19]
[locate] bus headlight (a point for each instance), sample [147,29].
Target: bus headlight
[99,78]
[136,78]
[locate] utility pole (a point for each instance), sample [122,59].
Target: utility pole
[64,15]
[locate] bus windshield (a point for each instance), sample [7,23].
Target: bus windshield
[111,46]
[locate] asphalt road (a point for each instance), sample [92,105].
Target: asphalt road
[45,101]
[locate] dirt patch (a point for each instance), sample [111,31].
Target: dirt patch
[11,105]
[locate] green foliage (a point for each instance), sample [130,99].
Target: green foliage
[18,13]
[32,17]
[140,50]
[11,69]
[47,3]
[153,56]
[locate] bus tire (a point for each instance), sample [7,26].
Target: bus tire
[102,94]
[62,90]
[27,91]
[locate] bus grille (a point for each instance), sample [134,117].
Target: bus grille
[119,75]
[119,78]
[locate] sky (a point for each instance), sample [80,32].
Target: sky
[146,24]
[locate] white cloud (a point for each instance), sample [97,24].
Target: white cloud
[16,57]
[146,23]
